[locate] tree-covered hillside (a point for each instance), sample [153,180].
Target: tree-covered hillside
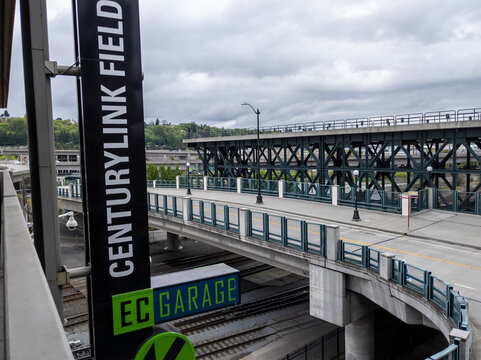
[13,132]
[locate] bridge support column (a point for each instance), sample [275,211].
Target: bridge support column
[282,184]
[430,198]
[243,223]
[335,194]
[405,202]
[239,185]
[173,242]
[359,339]
[327,295]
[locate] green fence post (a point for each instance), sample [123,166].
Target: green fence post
[201,211]
[265,226]
[455,201]
[323,239]
[340,250]
[156,203]
[166,204]
[477,203]
[226,217]
[148,201]
[365,256]
[213,214]
[283,231]
[191,209]
[174,206]
[304,236]
[428,290]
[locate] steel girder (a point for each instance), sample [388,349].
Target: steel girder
[395,161]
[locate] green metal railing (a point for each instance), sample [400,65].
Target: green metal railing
[268,187]
[312,238]
[371,199]
[222,183]
[62,192]
[361,255]
[292,233]
[196,182]
[451,200]
[308,191]
[165,184]
[76,190]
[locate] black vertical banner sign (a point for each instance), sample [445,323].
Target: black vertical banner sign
[114,158]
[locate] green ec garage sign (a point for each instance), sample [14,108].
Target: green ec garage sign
[173,297]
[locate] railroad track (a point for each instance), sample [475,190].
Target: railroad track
[217,317]
[82,353]
[230,343]
[76,319]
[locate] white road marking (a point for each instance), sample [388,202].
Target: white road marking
[464,286]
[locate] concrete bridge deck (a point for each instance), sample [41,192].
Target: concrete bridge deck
[448,244]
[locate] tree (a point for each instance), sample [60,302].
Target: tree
[152,172]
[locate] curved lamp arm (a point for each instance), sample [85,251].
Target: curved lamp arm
[256,112]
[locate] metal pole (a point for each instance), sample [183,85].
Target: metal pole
[355,216]
[41,142]
[188,181]
[259,196]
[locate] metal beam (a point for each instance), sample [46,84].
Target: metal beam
[41,142]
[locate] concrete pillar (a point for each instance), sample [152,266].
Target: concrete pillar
[332,238]
[206,181]
[405,204]
[282,184]
[177,182]
[173,242]
[327,295]
[186,208]
[359,339]
[154,183]
[239,185]
[335,194]
[243,223]
[464,341]
[430,198]
[385,268]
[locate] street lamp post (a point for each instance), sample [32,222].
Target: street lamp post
[259,195]
[355,216]
[188,179]
[430,170]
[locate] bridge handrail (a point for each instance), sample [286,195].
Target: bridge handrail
[429,117]
[417,279]
[32,325]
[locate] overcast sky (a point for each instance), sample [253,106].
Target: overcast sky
[297,61]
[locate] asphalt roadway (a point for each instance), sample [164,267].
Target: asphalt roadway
[447,244]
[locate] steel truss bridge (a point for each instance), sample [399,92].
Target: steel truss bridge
[392,153]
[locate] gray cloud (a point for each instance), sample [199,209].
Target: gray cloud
[298,61]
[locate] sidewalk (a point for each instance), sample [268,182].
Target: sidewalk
[437,225]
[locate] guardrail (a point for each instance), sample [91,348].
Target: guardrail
[449,200]
[312,238]
[453,200]
[221,184]
[31,326]
[432,117]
